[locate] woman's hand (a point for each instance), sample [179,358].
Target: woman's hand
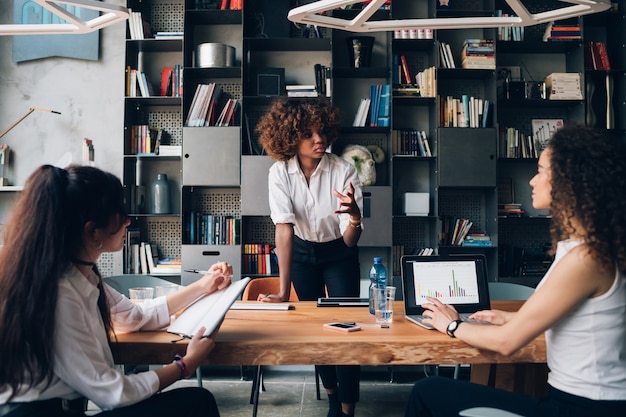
[348,204]
[270,298]
[496,317]
[219,277]
[439,314]
[198,349]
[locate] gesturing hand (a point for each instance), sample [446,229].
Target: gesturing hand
[348,204]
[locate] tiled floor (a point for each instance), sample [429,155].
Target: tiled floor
[290,391]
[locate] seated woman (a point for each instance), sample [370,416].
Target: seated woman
[57,318]
[580,304]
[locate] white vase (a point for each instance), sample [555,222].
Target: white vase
[160,195]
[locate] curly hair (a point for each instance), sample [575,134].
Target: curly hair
[281,128]
[588,178]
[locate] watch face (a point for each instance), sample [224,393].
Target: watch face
[452,326]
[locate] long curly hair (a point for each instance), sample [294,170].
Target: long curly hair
[588,178]
[41,236]
[281,128]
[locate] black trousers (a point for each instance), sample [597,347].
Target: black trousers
[181,402]
[335,267]
[445,397]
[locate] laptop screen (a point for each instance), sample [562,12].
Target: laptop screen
[460,280]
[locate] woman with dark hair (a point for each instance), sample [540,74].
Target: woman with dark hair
[580,303]
[316,203]
[57,318]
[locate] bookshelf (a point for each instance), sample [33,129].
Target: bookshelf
[222,172]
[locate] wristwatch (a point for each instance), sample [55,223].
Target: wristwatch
[452,327]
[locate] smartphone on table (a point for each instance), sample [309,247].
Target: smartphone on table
[343,327]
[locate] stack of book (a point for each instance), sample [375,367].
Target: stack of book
[510,210]
[478,54]
[562,32]
[477,240]
[301,90]
[564,86]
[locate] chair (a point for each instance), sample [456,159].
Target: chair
[500,291]
[121,283]
[267,285]
[509,291]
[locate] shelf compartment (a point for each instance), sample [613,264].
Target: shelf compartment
[213,17]
[287,44]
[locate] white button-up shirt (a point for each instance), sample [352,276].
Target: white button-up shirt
[83,363]
[310,208]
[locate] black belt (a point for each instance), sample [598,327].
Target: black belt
[75,407]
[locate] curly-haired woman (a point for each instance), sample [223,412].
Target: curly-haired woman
[315,201]
[580,304]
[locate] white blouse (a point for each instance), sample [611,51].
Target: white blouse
[310,207]
[83,363]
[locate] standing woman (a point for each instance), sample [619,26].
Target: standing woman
[315,201]
[580,303]
[57,317]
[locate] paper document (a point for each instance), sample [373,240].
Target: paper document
[208,311]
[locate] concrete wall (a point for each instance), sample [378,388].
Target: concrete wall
[89,94]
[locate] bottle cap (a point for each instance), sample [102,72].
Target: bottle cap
[378,259]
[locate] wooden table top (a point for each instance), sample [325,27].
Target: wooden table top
[297,337]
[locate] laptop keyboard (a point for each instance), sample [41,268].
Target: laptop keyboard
[418,319]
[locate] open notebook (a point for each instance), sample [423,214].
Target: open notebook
[460,280]
[208,311]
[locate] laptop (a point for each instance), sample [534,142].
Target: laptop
[460,280]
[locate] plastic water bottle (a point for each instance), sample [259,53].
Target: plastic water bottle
[378,279]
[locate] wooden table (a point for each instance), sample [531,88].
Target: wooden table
[296,337]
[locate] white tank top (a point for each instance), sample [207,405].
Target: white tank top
[587,348]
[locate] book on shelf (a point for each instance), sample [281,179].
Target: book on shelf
[384,108]
[166,76]
[169,35]
[322,80]
[360,118]
[301,90]
[543,129]
[405,70]
[170,150]
[426,81]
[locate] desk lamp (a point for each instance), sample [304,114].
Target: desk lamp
[4,149]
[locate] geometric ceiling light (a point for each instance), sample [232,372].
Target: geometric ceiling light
[313,14]
[71,14]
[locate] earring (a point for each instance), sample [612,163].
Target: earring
[100,245]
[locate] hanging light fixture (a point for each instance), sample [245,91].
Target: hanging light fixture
[109,15]
[314,14]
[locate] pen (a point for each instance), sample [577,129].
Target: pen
[196,271]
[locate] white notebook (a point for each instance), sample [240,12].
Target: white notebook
[208,311]
[261,306]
